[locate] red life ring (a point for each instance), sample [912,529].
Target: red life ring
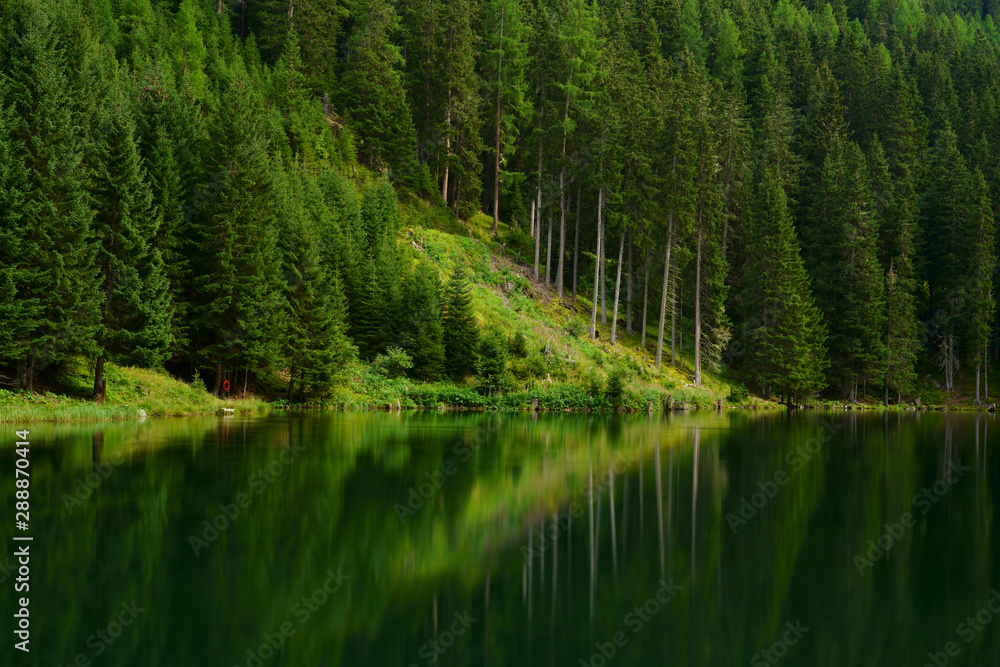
[225,385]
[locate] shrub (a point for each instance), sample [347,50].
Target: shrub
[519,345]
[393,364]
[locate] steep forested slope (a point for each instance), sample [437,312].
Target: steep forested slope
[803,192]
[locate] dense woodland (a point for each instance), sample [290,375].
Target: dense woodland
[804,192]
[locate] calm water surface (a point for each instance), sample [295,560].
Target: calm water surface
[505,540]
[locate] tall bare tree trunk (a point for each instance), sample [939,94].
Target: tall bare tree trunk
[562,201]
[531,221]
[618,284]
[548,254]
[538,212]
[645,299]
[697,310]
[597,263]
[628,287]
[576,241]
[447,125]
[663,297]
[604,277]
[496,174]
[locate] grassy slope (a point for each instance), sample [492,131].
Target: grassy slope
[507,299]
[129,390]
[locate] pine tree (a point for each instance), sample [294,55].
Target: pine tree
[372,90]
[461,334]
[316,346]
[238,272]
[946,212]
[853,297]
[980,304]
[59,282]
[423,337]
[135,308]
[784,327]
[491,362]
[17,312]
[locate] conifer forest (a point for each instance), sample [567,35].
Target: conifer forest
[802,193]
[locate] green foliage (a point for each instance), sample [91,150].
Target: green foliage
[461,333]
[393,364]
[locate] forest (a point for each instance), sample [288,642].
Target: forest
[804,191]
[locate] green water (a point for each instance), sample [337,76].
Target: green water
[514,558]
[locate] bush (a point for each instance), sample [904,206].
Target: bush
[616,387]
[519,345]
[738,394]
[575,328]
[393,364]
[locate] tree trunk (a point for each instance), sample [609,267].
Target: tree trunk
[604,276]
[697,310]
[531,222]
[986,375]
[618,283]
[663,298]
[628,287]
[100,389]
[562,203]
[674,306]
[496,174]
[302,386]
[538,211]
[447,126]
[548,254]
[979,368]
[597,264]
[645,299]
[29,373]
[576,241]
[218,378]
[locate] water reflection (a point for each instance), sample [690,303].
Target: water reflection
[542,532]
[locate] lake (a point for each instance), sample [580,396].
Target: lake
[510,540]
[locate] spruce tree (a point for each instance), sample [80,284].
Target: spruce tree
[461,334]
[423,336]
[17,312]
[59,283]
[238,270]
[980,304]
[372,91]
[784,327]
[135,306]
[316,346]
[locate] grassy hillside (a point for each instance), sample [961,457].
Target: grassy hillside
[562,368]
[129,390]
